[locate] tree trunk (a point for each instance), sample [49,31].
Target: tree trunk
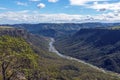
[3,71]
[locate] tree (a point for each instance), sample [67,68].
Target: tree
[17,59]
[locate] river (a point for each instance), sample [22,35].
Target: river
[53,49]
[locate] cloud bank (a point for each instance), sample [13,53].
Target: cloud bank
[83,2]
[106,6]
[27,17]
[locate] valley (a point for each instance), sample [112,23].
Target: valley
[59,39]
[99,47]
[52,49]
[38,61]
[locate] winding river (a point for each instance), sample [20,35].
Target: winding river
[52,49]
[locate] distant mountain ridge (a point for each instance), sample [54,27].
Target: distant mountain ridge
[55,29]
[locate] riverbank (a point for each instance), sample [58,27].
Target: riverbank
[53,49]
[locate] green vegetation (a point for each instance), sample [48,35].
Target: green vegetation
[16,58]
[6,27]
[29,59]
[115,28]
[53,67]
[100,47]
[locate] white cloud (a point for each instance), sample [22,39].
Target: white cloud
[35,17]
[22,3]
[3,8]
[82,2]
[24,11]
[53,1]
[34,0]
[106,6]
[41,5]
[109,17]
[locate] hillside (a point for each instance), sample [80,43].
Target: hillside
[100,47]
[28,58]
[17,59]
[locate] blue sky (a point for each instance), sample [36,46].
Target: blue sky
[59,11]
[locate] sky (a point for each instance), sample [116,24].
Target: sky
[59,11]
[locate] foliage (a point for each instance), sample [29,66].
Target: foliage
[15,56]
[100,47]
[30,59]
[52,67]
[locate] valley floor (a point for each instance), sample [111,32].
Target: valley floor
[54,50]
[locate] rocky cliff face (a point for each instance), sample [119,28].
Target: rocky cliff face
[15,32]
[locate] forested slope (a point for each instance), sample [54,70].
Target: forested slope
[100,47]
[28,58]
